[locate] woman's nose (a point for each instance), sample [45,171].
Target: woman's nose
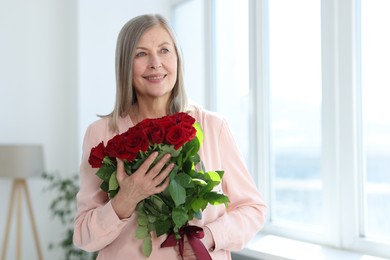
[155,62]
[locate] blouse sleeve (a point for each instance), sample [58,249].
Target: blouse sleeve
[96,224]
[246,211]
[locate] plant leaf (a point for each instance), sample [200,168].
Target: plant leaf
[199,182]
[142,220]
[179,216]
[177,192]
[147,246]
[171,150]
[162,227]
[157,202]
[141,232]
[198,204]
[104,186]
[216,198]
[113,183]
[214,177]
[199,132]
[105,172]
[184,180]
[220,173]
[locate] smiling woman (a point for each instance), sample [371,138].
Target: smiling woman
[154,69]
[149,88]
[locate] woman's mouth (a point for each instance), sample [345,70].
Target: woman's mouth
[155,77]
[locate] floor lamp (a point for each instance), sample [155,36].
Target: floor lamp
[20,162]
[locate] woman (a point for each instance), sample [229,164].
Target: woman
[150,85]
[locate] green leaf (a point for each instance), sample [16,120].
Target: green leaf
[195,146]
[104,186]
[105,172]
[150,209]
[151,218]
[177,192]
[162,227]
[216,198]
[187,166]
[195,159]
[171,150]
[112,193]
[220,173]
[179,216]
[141,232]
[157,202]
[214,177]
[198,204]
[199,132]
[184,180]
[147,246]
[173,173]
[107,160]
[166,197]
[199,182]
[206,189]
[142,220]
[139,208]
[113,183]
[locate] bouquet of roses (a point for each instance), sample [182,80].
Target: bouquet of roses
[189,191]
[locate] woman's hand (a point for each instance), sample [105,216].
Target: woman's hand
[140,185]
[188,252]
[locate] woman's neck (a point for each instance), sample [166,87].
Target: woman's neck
[140,112]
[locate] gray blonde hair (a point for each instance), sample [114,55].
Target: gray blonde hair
[127,42]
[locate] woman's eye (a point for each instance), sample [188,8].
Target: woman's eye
[164,50]
[141,54]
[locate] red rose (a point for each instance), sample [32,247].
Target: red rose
[97,155]
[155,134]
[184,118]
[148,122]
[178,135]
[116,147]
[136,141]
[189,130]
[165,122]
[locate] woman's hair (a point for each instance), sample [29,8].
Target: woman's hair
[127,42]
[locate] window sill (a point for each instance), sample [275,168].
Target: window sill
[270,247]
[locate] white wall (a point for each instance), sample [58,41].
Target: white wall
[38,101]
[56,74]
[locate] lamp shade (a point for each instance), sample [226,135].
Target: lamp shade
[21,161]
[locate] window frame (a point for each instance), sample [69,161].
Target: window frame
[342,150]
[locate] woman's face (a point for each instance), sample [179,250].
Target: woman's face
[155,65]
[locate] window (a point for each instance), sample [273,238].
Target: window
[295,112]
[313,123]
[231,49]
[375,96]
[190,34]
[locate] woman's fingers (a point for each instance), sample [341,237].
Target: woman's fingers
[163,174]
[146,164]
[146,180]
[120,170]
[159,166]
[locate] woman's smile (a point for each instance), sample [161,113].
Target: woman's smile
[155,78]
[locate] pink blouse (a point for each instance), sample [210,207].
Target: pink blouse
[98,228]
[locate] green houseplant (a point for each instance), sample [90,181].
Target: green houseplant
[63,208]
